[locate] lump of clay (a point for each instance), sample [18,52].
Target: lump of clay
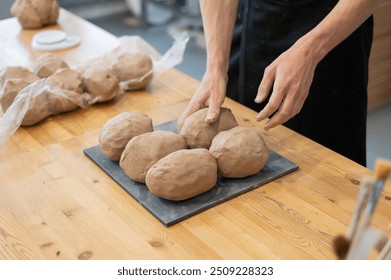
[61,92]
[100,83]
[183,174]
[9,91]
[240,152]
[33,14]
[46,64]
[17,72]
[39,107]
[133,70]
[117,132]
[67,79]
[145,150]
[199,134]
[71,82]
[13,80]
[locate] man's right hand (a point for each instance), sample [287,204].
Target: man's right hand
[210,93]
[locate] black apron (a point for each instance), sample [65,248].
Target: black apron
[335,111]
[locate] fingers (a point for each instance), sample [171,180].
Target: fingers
[275,102]
[190,109]
[210,93]
[280,117]
[290,106]
[272,106]
[281,104]
[266,85]
[214,109]
[290,75]
[213,115]
[263,91]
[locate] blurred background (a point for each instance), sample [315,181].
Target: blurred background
[156,21]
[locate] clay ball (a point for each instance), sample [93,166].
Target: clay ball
[61,92]
[9,91]
[117,132]
[33,14]
[40,104]
[100,83]
[67,79]
[13,80]
[145,150]
[183,174]
[240,152]
[46,64]
[133,70]
[199,134]
[71,84]
[16,72]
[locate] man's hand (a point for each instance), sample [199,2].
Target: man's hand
[210,93]
[291,74]
[290,77]
[218,18]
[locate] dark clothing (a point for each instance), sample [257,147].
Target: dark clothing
[334,113]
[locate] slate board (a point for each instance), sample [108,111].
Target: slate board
[172,212]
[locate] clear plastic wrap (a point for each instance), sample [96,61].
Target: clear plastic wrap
[42,99]
[31,104]
[129,45]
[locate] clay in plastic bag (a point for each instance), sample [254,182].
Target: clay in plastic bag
[43,98]
[36,102]
[134,62]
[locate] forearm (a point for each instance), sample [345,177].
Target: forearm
[346,17]
[218,17]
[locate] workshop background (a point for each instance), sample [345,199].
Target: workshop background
[157,20]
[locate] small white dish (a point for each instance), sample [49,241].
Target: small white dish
[53,40]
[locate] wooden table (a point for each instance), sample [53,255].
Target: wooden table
[55,203]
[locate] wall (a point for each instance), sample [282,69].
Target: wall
[5,6]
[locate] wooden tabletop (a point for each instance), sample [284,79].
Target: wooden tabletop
[55,203]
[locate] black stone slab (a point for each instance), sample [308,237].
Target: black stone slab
[171,212]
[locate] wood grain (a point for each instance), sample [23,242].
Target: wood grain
[56,204]
[379,86]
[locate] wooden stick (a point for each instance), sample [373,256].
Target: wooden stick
[385,253]
[342,243]
[382,170]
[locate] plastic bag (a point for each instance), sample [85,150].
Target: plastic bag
[30,98]
[136,45]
